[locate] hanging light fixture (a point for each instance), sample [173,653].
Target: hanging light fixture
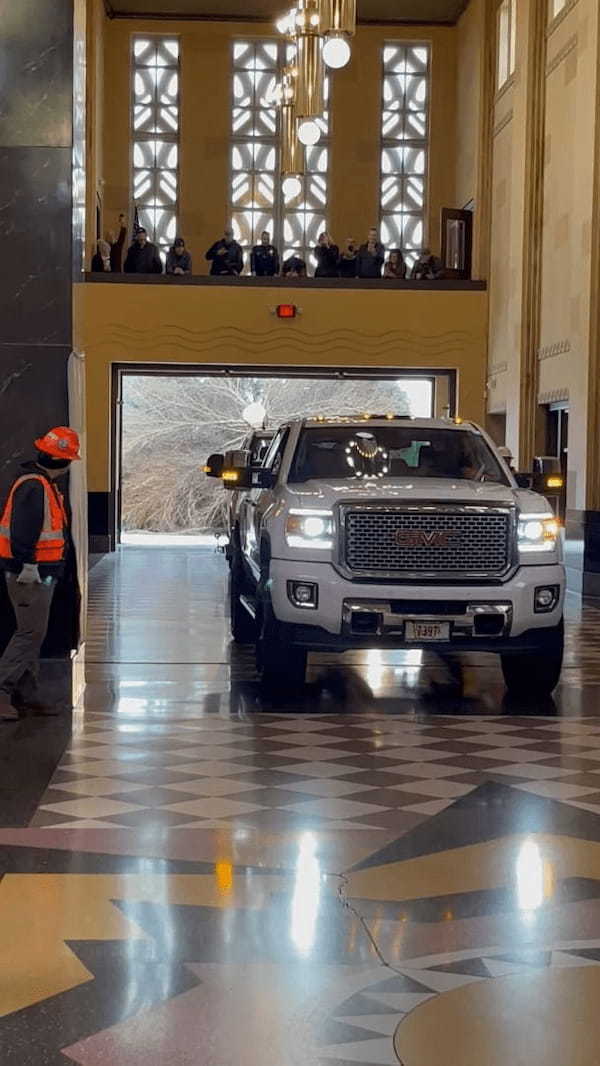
[339,25]
[286,24]
[311,71]
[292,156]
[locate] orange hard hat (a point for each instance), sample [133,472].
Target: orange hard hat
[60,442]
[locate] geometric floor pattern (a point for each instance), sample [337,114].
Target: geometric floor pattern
[389,869]
[364,772]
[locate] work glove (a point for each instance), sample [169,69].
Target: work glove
[29,575]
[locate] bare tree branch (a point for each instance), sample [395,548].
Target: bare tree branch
[171,424]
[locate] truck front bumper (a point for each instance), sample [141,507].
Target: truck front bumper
[354,614]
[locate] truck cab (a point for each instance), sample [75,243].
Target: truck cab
[399,533]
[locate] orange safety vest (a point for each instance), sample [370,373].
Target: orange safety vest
[50,547]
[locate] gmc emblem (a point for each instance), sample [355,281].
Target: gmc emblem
[420,538]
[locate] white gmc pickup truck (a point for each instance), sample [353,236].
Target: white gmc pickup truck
[394,532]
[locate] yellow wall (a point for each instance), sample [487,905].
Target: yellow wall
[206,121]
[220,325]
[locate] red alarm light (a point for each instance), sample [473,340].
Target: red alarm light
[286,310]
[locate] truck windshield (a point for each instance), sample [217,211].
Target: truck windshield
[369,452]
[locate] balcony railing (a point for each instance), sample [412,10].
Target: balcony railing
[249,282]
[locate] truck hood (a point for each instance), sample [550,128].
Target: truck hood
[326,494]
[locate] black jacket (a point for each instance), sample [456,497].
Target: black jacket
[230,263]
[26,525]
[370,264]
[98,264]
[429,269]
[144,260]
[327,257]
[264,261]
[184,261]
[116,252]
[348,266]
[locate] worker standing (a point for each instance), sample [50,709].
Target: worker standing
[34,539]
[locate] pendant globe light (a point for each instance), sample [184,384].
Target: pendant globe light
[311,71]
[339,25]
[292,155]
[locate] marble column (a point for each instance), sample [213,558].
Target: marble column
[42,166]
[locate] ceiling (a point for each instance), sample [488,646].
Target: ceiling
[440,11]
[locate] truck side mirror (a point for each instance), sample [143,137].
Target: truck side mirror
[214,465]
[236,477]
[524,481]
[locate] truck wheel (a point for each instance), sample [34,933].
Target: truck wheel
[536,673]
[280,664]
[243,626]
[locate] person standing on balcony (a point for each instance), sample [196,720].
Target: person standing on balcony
[327,255]
[226,256]
[143,257]
[264,261]
[348,261]
[34,544]
[294,267]
[117,243]
[371,255]
[428,267]
[101,260]
[395,266]
[179,260]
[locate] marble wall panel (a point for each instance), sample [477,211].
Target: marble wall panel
[36,72]
[35,235]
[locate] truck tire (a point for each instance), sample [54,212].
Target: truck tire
[281,665]
[243,626]
[536,673]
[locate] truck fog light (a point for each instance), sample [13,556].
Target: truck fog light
[303,593]
[546,598]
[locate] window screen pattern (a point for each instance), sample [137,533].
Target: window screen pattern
[404,146]
[255,141]
[155,120]
[257,201]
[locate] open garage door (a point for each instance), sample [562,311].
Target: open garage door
[166,422]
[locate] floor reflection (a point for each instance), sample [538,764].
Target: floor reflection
[397,853]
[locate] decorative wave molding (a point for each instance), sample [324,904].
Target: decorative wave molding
[176,338]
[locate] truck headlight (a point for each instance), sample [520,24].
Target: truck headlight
[309,529]
[538,533]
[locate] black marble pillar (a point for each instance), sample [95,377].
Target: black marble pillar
[42,170]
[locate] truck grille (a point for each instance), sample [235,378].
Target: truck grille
[430,542]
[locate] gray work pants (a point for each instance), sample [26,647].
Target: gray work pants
[20,664]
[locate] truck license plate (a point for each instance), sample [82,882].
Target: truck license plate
[427,631]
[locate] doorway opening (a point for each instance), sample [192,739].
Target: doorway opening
[166,421]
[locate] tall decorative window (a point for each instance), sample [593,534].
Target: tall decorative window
[155,122]
[255,142]
[507,41]
[256,197]
[405,146]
